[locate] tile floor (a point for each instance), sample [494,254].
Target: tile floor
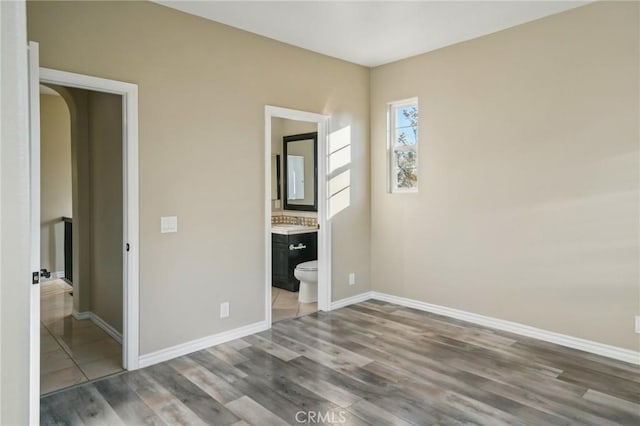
[285,305]
[71,351]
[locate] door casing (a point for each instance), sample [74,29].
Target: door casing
[129,93]
[324,231]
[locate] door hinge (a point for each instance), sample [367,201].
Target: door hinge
[35,278]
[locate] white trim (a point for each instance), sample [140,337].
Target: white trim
[87,82]
[81,316]
[117,336]
[202,343]
[129,93]
[34,206]
[131,225]
[267,218]
[362,297]
[597,348]
[99,322]
[324,233]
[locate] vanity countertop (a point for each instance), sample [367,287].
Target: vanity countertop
[286,229]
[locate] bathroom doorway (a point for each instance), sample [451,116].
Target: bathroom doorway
[296,244]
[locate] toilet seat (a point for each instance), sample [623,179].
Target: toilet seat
[308,266]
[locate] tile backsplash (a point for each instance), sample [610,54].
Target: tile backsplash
[294,220]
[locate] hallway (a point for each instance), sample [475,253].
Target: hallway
[71,351]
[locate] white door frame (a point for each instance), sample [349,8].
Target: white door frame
[34,235]
[129,93]
[130,260]
[324,231]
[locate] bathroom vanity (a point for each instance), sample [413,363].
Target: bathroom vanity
[291,245]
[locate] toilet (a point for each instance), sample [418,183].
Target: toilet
[307,273]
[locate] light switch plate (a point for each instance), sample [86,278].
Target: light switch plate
[168,224]
[638,324]
[352,278]
[224,309]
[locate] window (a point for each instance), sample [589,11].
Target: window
[403,146]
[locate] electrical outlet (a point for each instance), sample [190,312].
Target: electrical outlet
[224,310]
[352,278]
[638,324]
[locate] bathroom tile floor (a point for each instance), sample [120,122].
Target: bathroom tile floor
[285,305]
[71,351]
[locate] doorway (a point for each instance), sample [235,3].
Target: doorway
[81,238]
[128,94]
[297,261]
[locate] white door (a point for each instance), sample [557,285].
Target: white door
[34,280]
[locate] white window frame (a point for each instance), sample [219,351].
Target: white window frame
[391,159]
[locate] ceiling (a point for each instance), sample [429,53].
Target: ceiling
[371,33]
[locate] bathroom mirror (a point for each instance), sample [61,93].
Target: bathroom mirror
[295,177]
[300,172]
[275,177]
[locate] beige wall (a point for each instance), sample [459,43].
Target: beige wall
[528,203]
[14,218]
[106,199]
[202,91]
[55,178]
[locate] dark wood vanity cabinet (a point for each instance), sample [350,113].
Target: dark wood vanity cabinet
[287,251]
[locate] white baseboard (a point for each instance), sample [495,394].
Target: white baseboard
[351,300]
[88,315]
[106,327]
[597,348]
[80,316]
[199,344]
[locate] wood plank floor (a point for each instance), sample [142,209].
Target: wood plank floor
[368,364]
